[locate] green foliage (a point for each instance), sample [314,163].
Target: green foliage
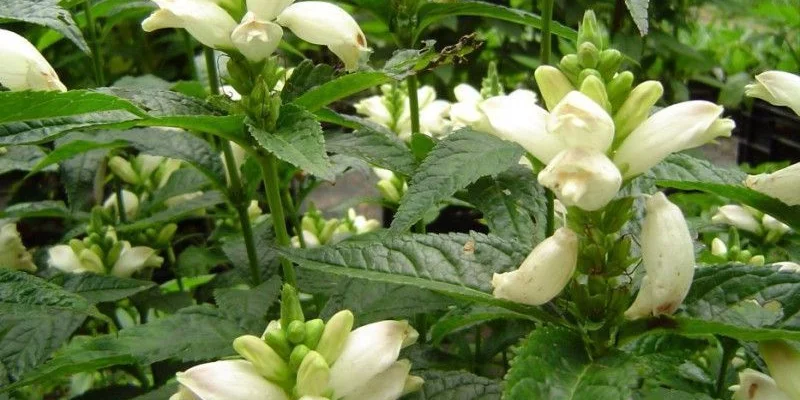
[45,12]
[375,146]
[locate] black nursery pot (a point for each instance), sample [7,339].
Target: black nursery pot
[767,133]
[450,219]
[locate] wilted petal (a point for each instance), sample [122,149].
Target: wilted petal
[517,118]
[668,259]
[582,178]
[205,20]
[543,274]
[13,253]
[778,88]
[580,122]
[783,185]
[24,68]
[256,39]
[327,24]
[228,380]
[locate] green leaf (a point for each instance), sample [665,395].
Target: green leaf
[382,149]
[789,215]
[78,176]
[513,204]
[36,318]
[37,209]
[683,167]
[176,212]
[455,162]
[100,288]
[192,334]
[182,181]
[638,10]
[462,318]
[47,115]
[72,149]
[47,13]
[161,393]
[430,13]
[264,239]
[249,307]
[448,385]
[306,76]
[20,158]
[340,88]
[198,261]
[298,141]
[162,103]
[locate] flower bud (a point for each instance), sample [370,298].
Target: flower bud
[253,210]
[738,217]
[130,201]
[206,21]
[610,61]
[676,128]
[256,39]
[581,122]
[719,248]
[335,335]
[543,274]
[588,55]
[778,88]
[582,178]
[586,73]
[782,185]
[166,234]
[299,353]
[589,30]
[112,256]
[595,89]
[773,225]
[24,68]
[327,24]
[553,85]
[13,253]
[314,329]
[313,375]
[389,191]
[668,259]
[570,66]
[757,261]
[123,169]
[276,339]
[783,361]
[291,309]
[636,107]
[91,262]
[265,360]
[296,332]
[619,88]
[369,351]
[754,385]
[229,380]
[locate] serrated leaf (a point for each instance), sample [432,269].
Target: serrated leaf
[375,147]
[50,114]
[100,288]
[162,103]
[305,77]
[638,10]
[36,317]
[683,167]
[78,176]
[455,162]
[37,209]
[249,306]
[47,13]
[264,239]
[73,148]
[176,212]
[448,385]
[298,141]
[20,158]
[513,204]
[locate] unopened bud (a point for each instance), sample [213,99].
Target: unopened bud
[77,246]
[553,85]
[636,108]
[90,261]
[587,73]
[166,234]
[314,329]
[267,362]
[757,261]
[594,88]
[570,66]
[610,61]
[588,55]
[589,30]
[291,309]
[719,248]
[298,354]
[328,230]
[313,375]
[296,332]
[123,169]
[278,341]
[389,191]
[335,335]
[619,88]
[113,254]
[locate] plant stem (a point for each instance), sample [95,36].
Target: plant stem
[97,57]
[729,347]
[547,19]
[269,169]
[294,218]
[211,68]
[174,265]
[413,102]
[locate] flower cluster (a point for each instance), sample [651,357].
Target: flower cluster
[309,360]
[392,110]
[13,253]
[318,231]
[257,36]
[751,220]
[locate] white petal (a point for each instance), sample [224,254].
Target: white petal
[433,118]
[583,178]
[580,122]
[543,274]
[777,87]
[788,266]
[256,39]
[375,110]
[754,385]
[388,385]
[783,185]
[129,200]
[738,217]
[467,94]
[62,257]
[267,10]
[131,260]
[369,350]
[518,118]
[675,128]
[229,380]
[24,68]
[13,253]
[206,21]
[327,24]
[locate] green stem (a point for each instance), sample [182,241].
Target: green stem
[547,19]
[97,56]
[413,102]
[174,265]
[211,68]
[294,218]
[239,204]
[269,169]
[729,347]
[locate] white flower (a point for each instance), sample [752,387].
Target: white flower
[465,112]
[777,87]
[253,210]
[387,385]
[773,225]
[432,113]
[580,122]
[13,253]
[719,248]
[754,385]
[134,259]
[256,39]
[326,24]
[668,259]
[311,240]
[543,274]
[583,178]
[783,185]
[360,223]
[231,92]
[205,20]
[738,217]
[64,258]
[676,128]
[267,10]
[783,361]
[129,200]
[24,68]
[368,352]
[228,380]
[787,266]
